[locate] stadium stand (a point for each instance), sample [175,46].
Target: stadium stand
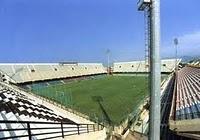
[19,104]
[194,63]
[22,117]
[22,73]
[167,66]
[185,110]
[187,96]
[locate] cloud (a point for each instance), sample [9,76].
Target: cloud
[189,44]
[190,39]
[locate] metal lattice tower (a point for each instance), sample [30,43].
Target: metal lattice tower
[108,59]
[176,61]
[147,15]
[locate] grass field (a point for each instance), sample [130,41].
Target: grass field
[118,95]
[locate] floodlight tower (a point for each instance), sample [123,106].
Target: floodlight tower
[176,62]
[108,59]
[152,8]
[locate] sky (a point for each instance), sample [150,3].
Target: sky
[82,30]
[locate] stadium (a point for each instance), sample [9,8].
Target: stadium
[84,98]
[155,98]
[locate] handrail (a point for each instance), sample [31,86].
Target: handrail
[60,130]
[172,114]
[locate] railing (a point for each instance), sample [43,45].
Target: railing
[173,106]
[75,111]
[44,130]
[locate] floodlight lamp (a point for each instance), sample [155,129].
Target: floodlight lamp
[176,41]
[142,4]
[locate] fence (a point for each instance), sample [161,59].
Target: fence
[45,130]
[57,99]
[78,113]
[57,96]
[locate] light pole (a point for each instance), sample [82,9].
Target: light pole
[176,62]
[155,70]
[108,59]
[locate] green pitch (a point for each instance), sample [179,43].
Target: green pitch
[107,97]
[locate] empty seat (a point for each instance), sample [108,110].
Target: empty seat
[188,87]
